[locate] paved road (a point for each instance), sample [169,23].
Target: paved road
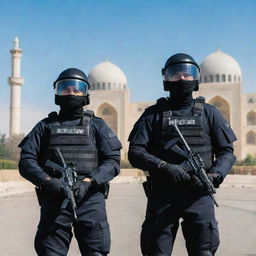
[126,205]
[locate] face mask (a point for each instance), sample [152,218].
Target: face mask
[181,88]
[70,102]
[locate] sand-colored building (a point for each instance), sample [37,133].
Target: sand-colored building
[221,85]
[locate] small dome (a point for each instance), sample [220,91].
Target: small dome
[107,76]
[220,67]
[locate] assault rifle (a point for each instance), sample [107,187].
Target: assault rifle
[68,179]
[196,163]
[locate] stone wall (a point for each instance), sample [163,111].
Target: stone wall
[13,175]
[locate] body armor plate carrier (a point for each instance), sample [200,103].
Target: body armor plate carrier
[191,128]
[76,142]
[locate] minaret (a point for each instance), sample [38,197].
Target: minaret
[15,82]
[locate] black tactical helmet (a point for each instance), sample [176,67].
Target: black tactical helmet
[178,67]
[72,73]
[179,58]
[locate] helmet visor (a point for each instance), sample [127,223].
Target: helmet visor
[181,71]
[71,87]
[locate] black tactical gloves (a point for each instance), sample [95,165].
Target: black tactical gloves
[195,183]
[53,186]
[216,178]
[175,172]
[81,189]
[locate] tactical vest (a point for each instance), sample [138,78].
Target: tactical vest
[76,142]
[192,129]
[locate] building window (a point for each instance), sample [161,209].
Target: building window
[239,79]
[205,79]
[251,118]
[103,86]
[250,100]
[211,78]
[98,86]
[223,78]
[217,78]
[251,138]
[109,86]
[229,78]
[235,79]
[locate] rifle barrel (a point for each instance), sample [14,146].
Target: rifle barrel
[182,138]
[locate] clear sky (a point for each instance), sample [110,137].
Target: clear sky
[136,35]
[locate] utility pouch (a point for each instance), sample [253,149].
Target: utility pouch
[39,194]
[105,190]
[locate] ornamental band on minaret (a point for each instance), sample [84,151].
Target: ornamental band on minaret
[15,82]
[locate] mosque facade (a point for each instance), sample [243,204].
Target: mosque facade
[221,85]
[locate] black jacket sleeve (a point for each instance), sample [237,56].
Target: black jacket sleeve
[140,138]
[108,147]
[31,147]
[222,138]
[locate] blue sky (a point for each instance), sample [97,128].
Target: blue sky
[138,36]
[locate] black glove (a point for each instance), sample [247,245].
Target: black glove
[175,172]
[53,186]
[80,189]
[195,183]
[216,178]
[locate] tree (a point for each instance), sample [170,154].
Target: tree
[3,151]
[250,160]
[12,146]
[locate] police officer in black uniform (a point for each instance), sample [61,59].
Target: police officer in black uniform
[87,141]
[174,192]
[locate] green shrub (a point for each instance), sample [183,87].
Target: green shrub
[250,160]
[8,164]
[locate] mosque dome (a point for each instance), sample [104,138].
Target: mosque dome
[220,67]
[107,76]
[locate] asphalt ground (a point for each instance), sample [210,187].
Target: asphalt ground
[19,215]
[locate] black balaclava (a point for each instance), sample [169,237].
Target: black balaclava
[181,92]
[71,106]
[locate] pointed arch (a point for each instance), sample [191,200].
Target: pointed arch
[251,137]
[251,118]
[109,114]
[222,105]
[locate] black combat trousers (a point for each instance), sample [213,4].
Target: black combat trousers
[166,206]
[56,227]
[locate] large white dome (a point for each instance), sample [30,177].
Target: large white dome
[107,76]
[220,67]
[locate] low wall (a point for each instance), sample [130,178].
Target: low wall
[13,175]
[243,170]
[10,175]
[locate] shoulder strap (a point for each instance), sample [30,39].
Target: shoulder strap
[88,114]
[166,113]
[54,117]
[199,106]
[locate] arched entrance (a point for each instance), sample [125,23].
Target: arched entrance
[251,118]
[109,115]
[222,105]
[251,138]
